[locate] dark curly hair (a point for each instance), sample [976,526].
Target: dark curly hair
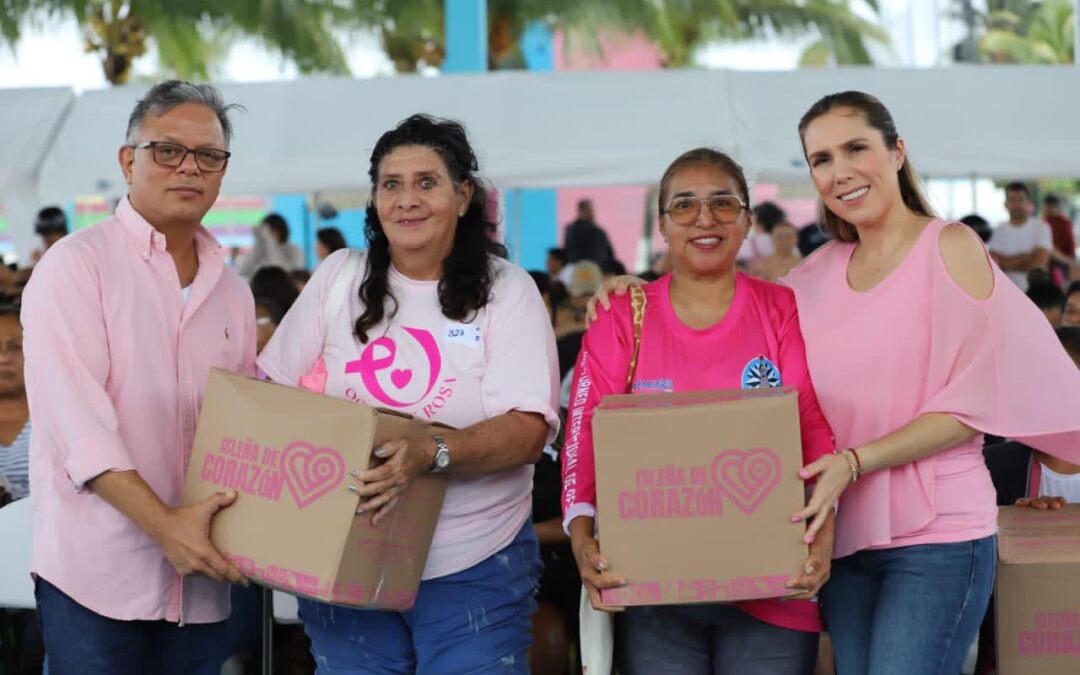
[467,274]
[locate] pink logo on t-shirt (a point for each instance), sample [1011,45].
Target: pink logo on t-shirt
[311,472]
[369,365]
[747,477]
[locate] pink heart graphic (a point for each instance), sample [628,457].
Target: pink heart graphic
[401,377]
[748,477]
[309,472]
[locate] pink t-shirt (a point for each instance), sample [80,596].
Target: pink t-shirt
[757,344]
[421,363]
[914,344]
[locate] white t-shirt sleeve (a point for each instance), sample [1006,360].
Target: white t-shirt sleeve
[297,343]
[995,243]
[1043,236]
[296,258]
[522,370]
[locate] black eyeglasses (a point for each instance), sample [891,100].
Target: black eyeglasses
[174,154]
[685,210]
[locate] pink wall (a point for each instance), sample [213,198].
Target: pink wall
[799,211]
[617,52]
[621,211]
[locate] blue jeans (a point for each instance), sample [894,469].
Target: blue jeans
[476,621]
[913,610]
[81,642]
[708,639]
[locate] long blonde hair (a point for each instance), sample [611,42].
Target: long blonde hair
[877,116]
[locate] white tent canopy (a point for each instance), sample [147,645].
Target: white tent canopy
[29,119]
[531,130]
[601,128]
[1005,122]
[28,123]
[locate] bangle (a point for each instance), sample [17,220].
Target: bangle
[851,465]
[858,462]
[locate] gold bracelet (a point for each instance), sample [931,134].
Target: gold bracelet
[851,465]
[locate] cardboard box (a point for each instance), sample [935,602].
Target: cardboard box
[695,493]
[1038,591]
[287,453]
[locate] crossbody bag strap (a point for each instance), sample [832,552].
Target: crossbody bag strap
[637,316]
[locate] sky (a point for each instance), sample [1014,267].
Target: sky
[51,54]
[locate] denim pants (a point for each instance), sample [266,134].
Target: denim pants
[476,621]
[912,610]
[81,642]
[708,639]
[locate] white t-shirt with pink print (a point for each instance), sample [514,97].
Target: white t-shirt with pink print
[419,362]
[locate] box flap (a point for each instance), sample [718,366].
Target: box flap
[689,398]
[1028,535]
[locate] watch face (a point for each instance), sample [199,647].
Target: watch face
[442,460]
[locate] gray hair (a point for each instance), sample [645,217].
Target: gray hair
[165,96]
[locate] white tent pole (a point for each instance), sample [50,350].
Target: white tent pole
[516,253]
[1076,33]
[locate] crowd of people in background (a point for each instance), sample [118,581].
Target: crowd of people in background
[1035,249]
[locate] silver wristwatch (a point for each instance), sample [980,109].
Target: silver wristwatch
[442,455]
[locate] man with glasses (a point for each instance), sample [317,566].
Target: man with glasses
[123,322]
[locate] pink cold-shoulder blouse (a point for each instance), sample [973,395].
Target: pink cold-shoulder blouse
[914,344]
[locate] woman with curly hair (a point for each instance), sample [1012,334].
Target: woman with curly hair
[440,326]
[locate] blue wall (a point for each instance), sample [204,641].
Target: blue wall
[304,223]
[538,208]
[466,36]
[537,229]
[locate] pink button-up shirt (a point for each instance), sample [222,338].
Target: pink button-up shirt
[116,368]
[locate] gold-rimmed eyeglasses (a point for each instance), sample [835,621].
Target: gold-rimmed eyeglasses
[685,210]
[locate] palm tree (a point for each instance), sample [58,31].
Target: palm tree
[1040,33]
[189,34]
[413,29]
[1018,31]
[681,27]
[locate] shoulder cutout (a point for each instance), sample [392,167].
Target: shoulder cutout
[966,261]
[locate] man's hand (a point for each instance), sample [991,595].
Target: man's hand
[184,536]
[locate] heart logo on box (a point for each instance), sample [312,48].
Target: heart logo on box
[311,472]
[747,477]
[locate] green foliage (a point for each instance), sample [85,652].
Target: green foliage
[1028,31]
[192,35]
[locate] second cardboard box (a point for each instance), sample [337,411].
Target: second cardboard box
[695,493]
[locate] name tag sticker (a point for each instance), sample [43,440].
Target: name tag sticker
[462,334]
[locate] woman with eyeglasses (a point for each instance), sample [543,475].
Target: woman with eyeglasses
[706,326]
[14,412]
[918,345]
